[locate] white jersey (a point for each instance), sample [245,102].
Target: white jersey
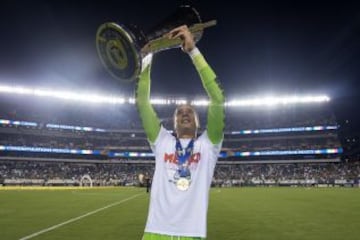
[172,211]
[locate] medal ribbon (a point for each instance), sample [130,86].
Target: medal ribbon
[183,156]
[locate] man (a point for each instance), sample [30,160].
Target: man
[147,182]
[185,163]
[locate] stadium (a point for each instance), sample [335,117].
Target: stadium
[292,144]
[76,164]
[295,146]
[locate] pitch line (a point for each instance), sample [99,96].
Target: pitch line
[78,218]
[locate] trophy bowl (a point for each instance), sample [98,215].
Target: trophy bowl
[121,48]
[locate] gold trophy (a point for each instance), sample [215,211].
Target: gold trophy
[121,48]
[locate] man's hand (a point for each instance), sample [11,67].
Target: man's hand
[182,32]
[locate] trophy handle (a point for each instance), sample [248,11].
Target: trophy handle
[163,43]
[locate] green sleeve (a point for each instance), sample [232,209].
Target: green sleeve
[148,116]
[216,109]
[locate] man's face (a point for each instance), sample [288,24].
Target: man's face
[185,119]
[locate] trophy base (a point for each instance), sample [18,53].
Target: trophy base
[119,51]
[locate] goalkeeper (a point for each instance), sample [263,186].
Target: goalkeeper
[185,162]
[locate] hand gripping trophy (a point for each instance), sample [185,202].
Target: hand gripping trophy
[122,47]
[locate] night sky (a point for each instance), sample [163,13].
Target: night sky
[257,48]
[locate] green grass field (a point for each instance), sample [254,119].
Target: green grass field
[234,214]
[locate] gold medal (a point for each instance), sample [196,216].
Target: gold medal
[182,184]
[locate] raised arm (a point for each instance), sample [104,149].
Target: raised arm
[148,116]
[216,110]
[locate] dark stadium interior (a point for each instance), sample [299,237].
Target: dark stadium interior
[75,162]
[289,48]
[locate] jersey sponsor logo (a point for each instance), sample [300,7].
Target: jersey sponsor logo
[172,158]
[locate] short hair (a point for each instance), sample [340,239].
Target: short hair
[196,116]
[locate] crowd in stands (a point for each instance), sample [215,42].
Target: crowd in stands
[139,141]
[313,173]
[286,143]
[126,134]
[125,174]
[101,174]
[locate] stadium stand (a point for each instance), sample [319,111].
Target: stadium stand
[57,143]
